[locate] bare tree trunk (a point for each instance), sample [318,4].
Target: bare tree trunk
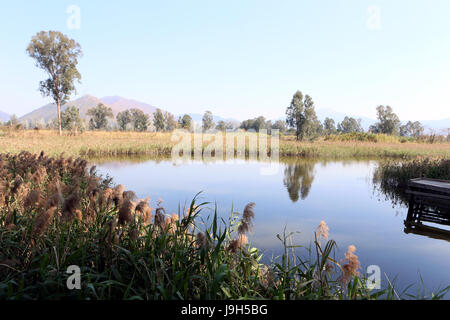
[58,106]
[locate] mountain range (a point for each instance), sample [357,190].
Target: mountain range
[118,104]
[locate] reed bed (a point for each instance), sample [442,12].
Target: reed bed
[57,212]
[96,144]
[391,177]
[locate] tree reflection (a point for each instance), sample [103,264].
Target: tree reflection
[298,178]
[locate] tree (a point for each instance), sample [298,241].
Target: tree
[13,121]
[123,119]
[388,121]
[186,122]
[301,116]
[71,120]
[329,126]
[58,55]
[169,121]
[349,125]
[294,114]
[99,117]
[139,119]
[412,129]
[221,126]
[158,120]
[279,125]
[208,121]
[311,126]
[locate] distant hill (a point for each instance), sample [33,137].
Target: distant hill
[4,117]
[116,103]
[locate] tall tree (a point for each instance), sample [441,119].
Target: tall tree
[388,121]
[123,119]
[139,119]
[58,55]
[99,117]
[208,121]
[412,129]
[311,126]
[169,121]
[158,120]
[349,125]
[329,126]
[71,120]
[186,122]
[294,114]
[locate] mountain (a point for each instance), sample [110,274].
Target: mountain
[437,125]
[116,103]
[4,117]
[48,112]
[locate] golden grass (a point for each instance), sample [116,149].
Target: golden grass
[93,143]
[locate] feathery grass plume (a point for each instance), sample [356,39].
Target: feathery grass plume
[322,230]
[129,195]
[18,182]
[246,221]
[43,220]
[126,211]
[160,218]
[33,198]
[39,175]
[267,277]
[70,205]
[350,265]
[117,195]
[171,223]
[144,211]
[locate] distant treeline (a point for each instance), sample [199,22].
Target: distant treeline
[301,122]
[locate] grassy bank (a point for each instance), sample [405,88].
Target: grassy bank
[95,144]
[57,212]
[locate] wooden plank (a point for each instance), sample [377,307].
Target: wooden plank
[432,184]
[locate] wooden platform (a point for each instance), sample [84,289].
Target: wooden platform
[429,202]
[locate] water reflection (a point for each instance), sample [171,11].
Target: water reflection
[298,179]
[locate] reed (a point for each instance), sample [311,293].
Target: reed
[96,144]
[57,212]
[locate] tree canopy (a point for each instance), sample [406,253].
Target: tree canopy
[58,55]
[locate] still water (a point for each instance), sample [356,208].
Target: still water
[297,195]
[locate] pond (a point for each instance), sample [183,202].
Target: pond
[298,195]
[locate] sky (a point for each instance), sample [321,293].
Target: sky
[241,59]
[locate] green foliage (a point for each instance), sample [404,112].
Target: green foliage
[158,120]
[412,129]
[99,117]
[139,119]
[208,121]
[71,120]
[169,122]
[301,116]
[388,121]
[58,55]
[329,126]
[186,122]
[350,125]
[123,119]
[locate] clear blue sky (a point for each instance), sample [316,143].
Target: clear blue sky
[242,58]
